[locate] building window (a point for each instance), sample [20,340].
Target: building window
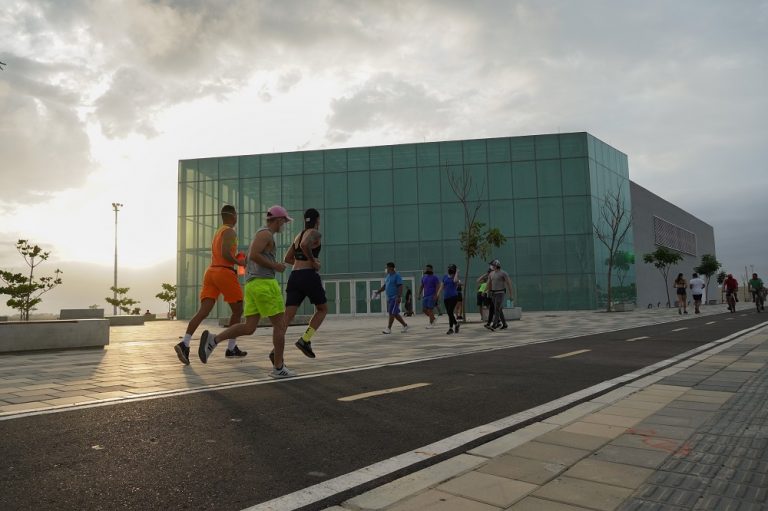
[672,236]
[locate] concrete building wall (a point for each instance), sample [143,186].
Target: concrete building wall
[647,205]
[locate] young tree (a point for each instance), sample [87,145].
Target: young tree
[168,294]
[122,302]
[622,261]
[475,239]
[25,291]
[709,265]
[611,229]
[663,259]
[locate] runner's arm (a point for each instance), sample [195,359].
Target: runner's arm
[290,256]
[228,239]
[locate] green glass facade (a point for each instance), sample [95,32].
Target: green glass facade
[395,203]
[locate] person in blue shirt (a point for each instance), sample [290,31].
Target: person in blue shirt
[428,293]
[449,286]
[393,285]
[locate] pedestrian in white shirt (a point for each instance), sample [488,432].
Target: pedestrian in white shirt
[697,286]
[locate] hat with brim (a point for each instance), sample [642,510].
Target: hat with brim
[278,212]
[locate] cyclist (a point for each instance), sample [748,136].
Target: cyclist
[758,290]
[731,286]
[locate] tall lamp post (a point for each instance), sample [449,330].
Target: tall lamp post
[116,206]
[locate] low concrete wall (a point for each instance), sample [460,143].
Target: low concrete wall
[3,318]
[623,307]
[150,317]
[513,313]
[81,314]
[297,320]
[53,335]
[125,320]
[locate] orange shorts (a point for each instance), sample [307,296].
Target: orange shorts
[221,281]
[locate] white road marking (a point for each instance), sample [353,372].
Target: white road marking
[710,323]
[680,329]
[637,338]
[572,353]
[382,392]
[728,319]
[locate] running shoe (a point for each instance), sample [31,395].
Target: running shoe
[235,353]
[449,332]
[405,329]
[386,331]
[182,351]
[489,327]
[456,328]
[283,372]
[503,327]
[305,347]
[207,345]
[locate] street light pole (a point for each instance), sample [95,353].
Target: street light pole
[116,206]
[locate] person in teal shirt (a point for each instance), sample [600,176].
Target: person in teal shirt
[758,291]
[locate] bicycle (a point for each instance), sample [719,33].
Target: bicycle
[757,297]
[730,297]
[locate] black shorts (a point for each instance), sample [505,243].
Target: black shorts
[480,299]
[459,297]
[304,284]
[681,291]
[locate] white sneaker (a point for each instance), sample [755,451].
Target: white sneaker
[386,331]
[283,372]
[207,345]
[405,329]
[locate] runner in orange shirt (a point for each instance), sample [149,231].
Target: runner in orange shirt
[220,279]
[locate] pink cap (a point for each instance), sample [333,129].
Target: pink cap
[278,212]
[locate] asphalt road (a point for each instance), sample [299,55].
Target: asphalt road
[230,449]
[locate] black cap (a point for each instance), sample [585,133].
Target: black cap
[390,265]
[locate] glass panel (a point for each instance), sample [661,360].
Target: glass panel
[446,173]
[579,254]
[573,145]
[474,151]
[528,256]
[293,196]
[359,187]
[335,190]
[336,258]
[271,164]
[406,186]
[581,292]
[450,153]
[549,180]
[376,304]
[427,154]
[429,184]
[526,217]
[503,216]
[498,149]
[575,176]
[555,292]
[382,224]
[551,216]
[524,180]
[407,257]
[313,162]
[208,169]
[293,163]
[335,229]
[313,191]
[359,225]
[228,168]
[360,258]
[522,148]
[361,297]
[407,222]
[381,254]
[249,166]
[576,212]
[404,156]
[431,252]
[189,170]
[499,181]
[381,188]
[381,158]
[345,297]
[270,192]
[479,176]
[547,147]
[335,160]
[452,219]
[528,291]
[553,254]
[190,200]
[228,193]
[330,295]
[429,222]
[358,158]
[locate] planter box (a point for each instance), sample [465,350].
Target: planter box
[513,313]
[125,320]
[53,335]
[3,318]
[81,314]
[623,307]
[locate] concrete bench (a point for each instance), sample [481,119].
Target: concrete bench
[150,317]
[81,314]
[3,318]
[623,307]
[297,320]
[53,335]
[128,320]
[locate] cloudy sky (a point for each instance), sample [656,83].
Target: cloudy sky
[100,99]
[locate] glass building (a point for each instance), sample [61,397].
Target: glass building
[396,203]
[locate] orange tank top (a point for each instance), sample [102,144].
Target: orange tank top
[217,260]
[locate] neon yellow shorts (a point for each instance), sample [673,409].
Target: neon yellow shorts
[263,298]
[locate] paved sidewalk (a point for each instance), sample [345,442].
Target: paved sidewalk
[694,436]
[140,361]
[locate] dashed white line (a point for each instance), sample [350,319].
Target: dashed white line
[637,338]
[710,323]
[570,354]
[680,329]
[382,392]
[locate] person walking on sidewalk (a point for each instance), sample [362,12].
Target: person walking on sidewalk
[697,286]
[428,293]
[449,287]
[304,280]
[262,295]
[393,285]
[499,283]
[681,286]
[220,278]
